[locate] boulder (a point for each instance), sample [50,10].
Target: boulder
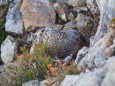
[109,79]
[92,78]
[98,77]
[61,43]
[14,23]
[103,39]
[8,49]
[37,13]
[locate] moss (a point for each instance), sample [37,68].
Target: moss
[112,24]
[2,36]
[1,22]
[113,21]
[3,7]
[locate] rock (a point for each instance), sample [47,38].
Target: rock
[82,20]
[80,9]
[109,38]
[109,79]
[62,43]
[79,22]
[43,83]
[92,78]
[108,52]
[76,2]
[14,23]
[62,1]
[31,83]
[8,49]
[48,81]
[95,56]
[81,54]
[93,6]
[3,2]
[62,10]
[70,16]
[98,77]
[67,58]
[37,13]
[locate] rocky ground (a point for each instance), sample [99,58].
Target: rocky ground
[81,31]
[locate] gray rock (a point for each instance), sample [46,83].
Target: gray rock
[98,77]
[62,43]
[8,49]
[43,83]
[81,54]
[14,23]
[76,2]
[71,16]
[62,1]
[91,78]
[3,2]
[109,79]
[31,83]
[82,20]
[79,9]
[67,58]
[79,22]
[95,56]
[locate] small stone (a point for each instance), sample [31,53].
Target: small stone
[109,38]
[71,16]
[80,9]
[8,49]
[108,52]
[62,10]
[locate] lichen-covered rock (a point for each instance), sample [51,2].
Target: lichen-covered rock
[62,43]
[37,13]
[8,49]
[14,23]
[103,38]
